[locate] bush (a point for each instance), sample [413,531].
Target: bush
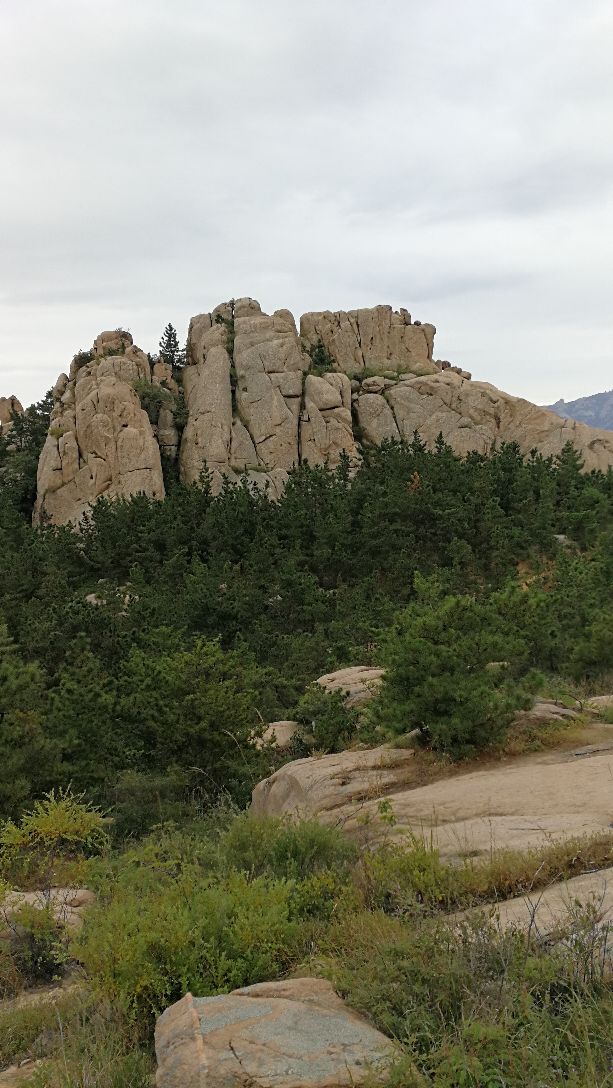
[440,677]
[38,943]
[52,840]
[327,724]
[405,879]
[321,360]
[153,398]
[285,849]
[190,933]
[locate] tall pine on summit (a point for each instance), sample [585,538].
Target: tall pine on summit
[170,351]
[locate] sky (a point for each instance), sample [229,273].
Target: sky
[454,157]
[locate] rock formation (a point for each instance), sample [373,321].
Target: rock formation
[545,797]
[273,1035]
[261,399]
[100,440]
[8,405]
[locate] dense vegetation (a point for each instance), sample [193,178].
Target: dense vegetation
[141,657]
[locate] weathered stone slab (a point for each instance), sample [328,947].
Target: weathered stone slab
[292,1034]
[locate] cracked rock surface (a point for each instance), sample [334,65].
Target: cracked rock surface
[291,1034]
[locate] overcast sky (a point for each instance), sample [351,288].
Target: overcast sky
[454,157]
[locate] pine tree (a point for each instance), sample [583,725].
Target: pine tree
[170,351]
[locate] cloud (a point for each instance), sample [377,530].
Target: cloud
[453,158]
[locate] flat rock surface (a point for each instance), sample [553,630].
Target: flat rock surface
[515,804]
[292,1034]
[549,908]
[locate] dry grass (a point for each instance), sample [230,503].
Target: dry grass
[510,873]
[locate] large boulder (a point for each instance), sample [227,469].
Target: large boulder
[100,441]
[336,787]
[292,1034]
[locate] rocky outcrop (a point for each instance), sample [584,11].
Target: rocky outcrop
[520,805]
[332,787]
[100,440]
[260,399]
[476,416]
[378,340]
[8,406]
[548,909]
[292,1034]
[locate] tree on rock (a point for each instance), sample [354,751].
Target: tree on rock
[170,351]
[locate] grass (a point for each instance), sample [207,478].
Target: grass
[235,900]
[84,1043]
[474,1008]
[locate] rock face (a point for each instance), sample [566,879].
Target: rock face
[8,405]
[250,409]
[100,441]
[293,1034]
[261,399]
[378,340]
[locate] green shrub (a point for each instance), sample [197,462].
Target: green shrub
[191,933]
[404,879]
[153,398]
[139,801]
[327,724]
[38,943]
[321,360]
[285,849]
[52,839]
[439,677]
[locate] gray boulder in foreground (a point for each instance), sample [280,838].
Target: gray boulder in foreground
[292,1034]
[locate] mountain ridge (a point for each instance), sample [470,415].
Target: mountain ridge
[596,409]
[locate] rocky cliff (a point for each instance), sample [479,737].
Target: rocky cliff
[259,398]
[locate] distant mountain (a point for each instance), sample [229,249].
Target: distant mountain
[596,410]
